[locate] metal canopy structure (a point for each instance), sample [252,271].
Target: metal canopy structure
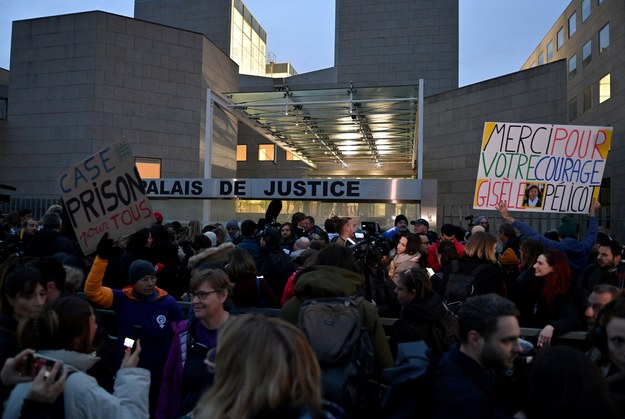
[353,127]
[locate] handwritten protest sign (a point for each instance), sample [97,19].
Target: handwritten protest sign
[541,168]
[104,193]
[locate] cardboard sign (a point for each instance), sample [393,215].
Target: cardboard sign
[541,168]
[104,193]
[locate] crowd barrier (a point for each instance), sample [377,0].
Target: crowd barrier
[529,333]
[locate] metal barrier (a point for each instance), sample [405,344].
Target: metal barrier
[387,322]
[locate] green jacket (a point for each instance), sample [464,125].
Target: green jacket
[323,281]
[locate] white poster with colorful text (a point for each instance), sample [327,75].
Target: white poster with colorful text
[104,193]
[541,167]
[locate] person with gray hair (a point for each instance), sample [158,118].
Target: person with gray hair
[462,385]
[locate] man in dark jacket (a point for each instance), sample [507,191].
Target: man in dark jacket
[462,386]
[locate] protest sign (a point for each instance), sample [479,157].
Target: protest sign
[541,167]
[104,193]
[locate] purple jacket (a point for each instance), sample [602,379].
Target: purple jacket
[169,400]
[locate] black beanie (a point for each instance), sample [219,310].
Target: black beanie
[400,217]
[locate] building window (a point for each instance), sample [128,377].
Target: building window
[572,109]
[572,24]
[587,99]
[573,65]
[541,58]
[549,51]
[241,152]
[587,53]
[604,88]
[290,156]
[604,37]
[585,10]
[560,38]
[599,1]
[148,168]
[266,152]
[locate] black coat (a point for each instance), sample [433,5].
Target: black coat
[490,279]
[417,321]
[461,388]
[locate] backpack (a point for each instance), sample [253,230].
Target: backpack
[342,345]
[460,285]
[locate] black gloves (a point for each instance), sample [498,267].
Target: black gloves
[105,247]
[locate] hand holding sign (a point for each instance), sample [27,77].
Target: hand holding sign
[104,193]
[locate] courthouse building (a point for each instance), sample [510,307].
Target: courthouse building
[186,84]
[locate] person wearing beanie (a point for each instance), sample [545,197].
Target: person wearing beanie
[141,303]
[394,234]
[576,251]
[234,232]
[158,217]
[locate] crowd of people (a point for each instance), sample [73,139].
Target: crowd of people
[464,294]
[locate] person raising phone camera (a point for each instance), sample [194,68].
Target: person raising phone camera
[65,332]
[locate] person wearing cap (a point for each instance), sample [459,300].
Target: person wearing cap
[234,232]
[158,216]
[142,303]
[421,226]
[576,251]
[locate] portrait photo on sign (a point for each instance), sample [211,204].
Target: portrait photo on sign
[533,195]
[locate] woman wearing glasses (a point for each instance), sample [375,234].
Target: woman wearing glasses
[185,378]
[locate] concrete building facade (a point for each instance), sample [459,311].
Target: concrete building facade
[81,81]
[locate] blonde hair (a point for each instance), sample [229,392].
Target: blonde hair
[261,364]
[481,245]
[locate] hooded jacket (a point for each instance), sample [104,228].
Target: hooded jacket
[322,281]
[154,314]
[84,398]
[214,255]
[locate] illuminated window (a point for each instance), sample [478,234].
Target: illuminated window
[541,58]
[148,168]
[604,88]
[290,156]
[587,53]
[573,65]
[549,51]
[241,152]
[266,152]
[585,10]
[604,37]
[560,38]
[587,104]
[572,24]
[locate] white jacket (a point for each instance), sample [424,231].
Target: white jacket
[84,398]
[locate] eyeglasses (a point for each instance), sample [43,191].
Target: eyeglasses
[147,279]
[202,295]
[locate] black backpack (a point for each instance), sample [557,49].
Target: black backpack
[342,345]
[460,285]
